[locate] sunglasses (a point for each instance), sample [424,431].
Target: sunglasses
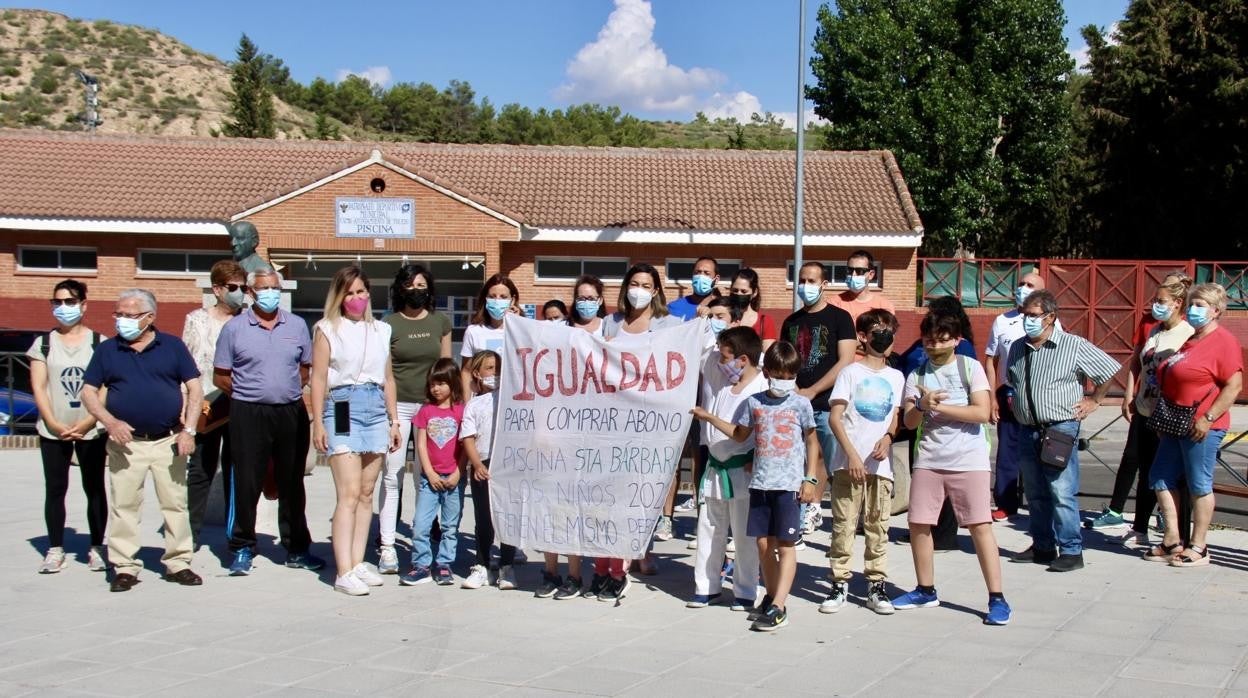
[233,287]
[71,302]
[858,271]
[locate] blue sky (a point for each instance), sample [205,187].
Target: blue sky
[661,59]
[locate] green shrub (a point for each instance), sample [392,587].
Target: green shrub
[12,71]
[56,59]
[48,85]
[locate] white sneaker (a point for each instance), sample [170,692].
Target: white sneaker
[800,544]
[692,544]
[664,530]
[95,559]
[350,585]
[877,599]
[732,546]
[54,561]
[477,577]
[365,574]
[687,505]
[506,578]
[388,560]
[812,518]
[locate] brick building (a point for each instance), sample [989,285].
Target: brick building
[118,211]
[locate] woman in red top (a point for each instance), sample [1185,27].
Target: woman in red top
[1206,372]
[745,295]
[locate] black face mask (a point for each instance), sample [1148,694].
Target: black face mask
[416,297]
[740,301]
[881,340]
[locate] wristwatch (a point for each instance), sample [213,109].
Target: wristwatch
[811,480]
[1209,416]
[192,432]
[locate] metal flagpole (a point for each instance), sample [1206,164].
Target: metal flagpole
[801,131]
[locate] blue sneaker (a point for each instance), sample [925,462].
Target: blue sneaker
[915,599]
[241,567]
[416,575]
[998,612]
[304,561]
[703,600]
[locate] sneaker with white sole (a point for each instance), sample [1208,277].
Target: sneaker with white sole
[365,574]
[877,599]
[387,560]
[915,599]
[687,505]
[54,561]
[96,562]
[692,544]
[506,578]
[836,598]
[477,577]
[732,546]
[350,585]
[664,530]
[812,518]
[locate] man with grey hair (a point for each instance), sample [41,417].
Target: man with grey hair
[1047,372]
[150,429]
[262,361]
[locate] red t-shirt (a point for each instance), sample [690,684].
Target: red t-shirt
[766,327]
[1199,370]
[441,425]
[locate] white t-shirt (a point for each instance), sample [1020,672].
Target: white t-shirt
[480,338]
[358,351]
[1007,328]
[871,400]
[946,444]
[479,422]
[1159,346]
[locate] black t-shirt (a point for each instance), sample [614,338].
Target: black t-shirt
[815,335]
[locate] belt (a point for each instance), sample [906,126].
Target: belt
[152,436]
[721,468]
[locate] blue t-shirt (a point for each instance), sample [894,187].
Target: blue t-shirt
[914,357]
[144,388]
[780,425]
[685,307]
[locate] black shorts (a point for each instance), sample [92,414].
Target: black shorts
[775,513]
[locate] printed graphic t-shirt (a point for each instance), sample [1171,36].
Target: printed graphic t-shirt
[415,345]
[815,336]
[780,425]
[948,444]
[1158,346]
[871,399]
[441,425]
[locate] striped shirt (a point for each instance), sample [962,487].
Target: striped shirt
[1059,368]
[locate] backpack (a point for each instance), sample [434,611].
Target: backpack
[964,370]
[47,342]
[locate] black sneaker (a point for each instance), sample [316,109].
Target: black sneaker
[1067,563]
[774,619]
[760,610]
[570,589]
[550,584]
[614,590]
[596,585]
[1040,557]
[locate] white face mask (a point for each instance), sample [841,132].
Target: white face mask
[488,381]
[781,386]
[639,297]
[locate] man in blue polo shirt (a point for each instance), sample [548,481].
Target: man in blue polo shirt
[705,276]
[262,361]
[146,373]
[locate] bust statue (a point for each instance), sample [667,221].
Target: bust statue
[244,239]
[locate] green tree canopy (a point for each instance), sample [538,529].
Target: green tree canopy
[251,101]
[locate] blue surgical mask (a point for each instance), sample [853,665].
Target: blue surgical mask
[129,328]
[1033,326]
[588,309]
[718,325]
[497,307]
[268,299]
[810,293]
[67,314]
[856,283]
[1162,312]
[1020,295]
[701,284]
[1198,316]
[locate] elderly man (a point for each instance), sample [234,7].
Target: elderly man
[1007,328]
[1047,373]
[262,361]
[146,373]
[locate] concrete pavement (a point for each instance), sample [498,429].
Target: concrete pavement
[1121,626]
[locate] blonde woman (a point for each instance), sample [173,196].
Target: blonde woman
[354,416]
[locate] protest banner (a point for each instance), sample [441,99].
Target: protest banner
[589,435]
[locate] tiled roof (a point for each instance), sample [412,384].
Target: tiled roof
[46,173]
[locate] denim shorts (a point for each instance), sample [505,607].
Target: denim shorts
[1194,460]
[370,429]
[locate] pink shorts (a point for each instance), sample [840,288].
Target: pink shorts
[970,492]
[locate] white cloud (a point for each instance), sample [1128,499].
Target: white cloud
[376,74]
[1081,54]
[743,105]
[624,67]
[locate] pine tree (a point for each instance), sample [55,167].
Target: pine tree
[251,102]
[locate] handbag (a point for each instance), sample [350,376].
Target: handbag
[1169,418]
[1056,446]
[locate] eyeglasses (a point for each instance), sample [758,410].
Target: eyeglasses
[71,302]
[858,271]
[1036,316]
[587,299]
[135,316]
[233,287]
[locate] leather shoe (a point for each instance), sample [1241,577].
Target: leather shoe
[123,581]
[1040,557]
[185,577]
[1067,563]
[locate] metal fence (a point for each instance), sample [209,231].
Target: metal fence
[15,367]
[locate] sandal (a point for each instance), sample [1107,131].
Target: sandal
[1194,556]
[1163,552]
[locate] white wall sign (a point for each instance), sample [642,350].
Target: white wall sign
[374,217]
[589,434]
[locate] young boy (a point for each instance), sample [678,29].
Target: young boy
[786,461]
[949,396]
[863,418]
[724,488]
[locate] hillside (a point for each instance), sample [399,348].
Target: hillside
[149,83]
